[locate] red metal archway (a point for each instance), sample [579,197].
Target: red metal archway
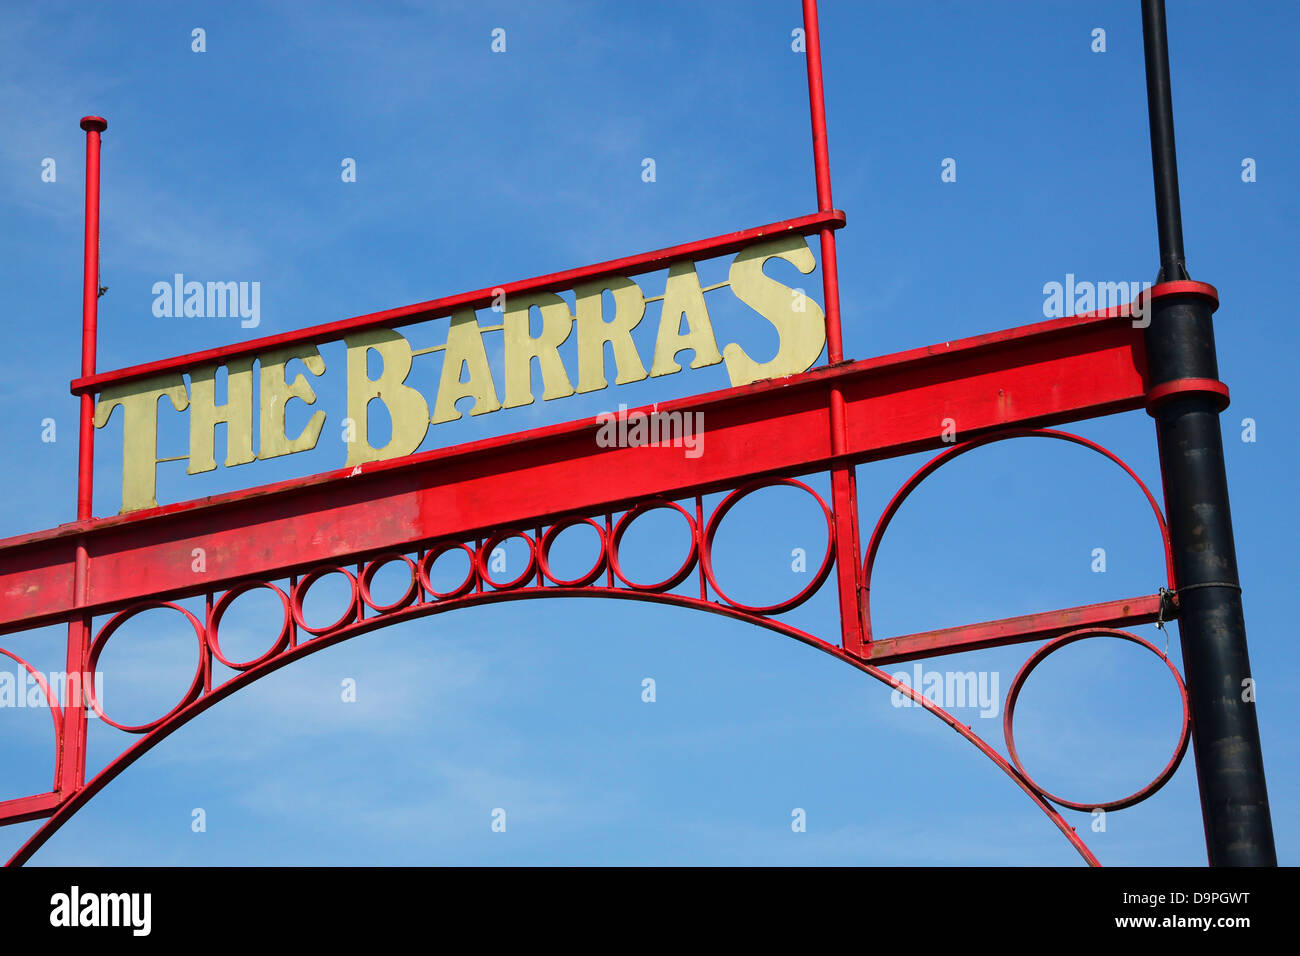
[96,573]
[295,638]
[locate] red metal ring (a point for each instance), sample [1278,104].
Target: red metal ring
[368,576]
[554,531]
[668,583]
[1180,287]
[1037,658]
[887,516]
[220,608]
[485,553]
[300,594]
[55,711]
[734,499]
[426,566]
[97,648]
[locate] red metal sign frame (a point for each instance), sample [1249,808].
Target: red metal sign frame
[96,573]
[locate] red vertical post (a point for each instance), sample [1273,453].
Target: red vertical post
[844,490]
[822,167]
[93,125]
[71,767]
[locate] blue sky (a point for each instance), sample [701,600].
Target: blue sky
[475,168]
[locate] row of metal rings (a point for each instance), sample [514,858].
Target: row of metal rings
[479,574]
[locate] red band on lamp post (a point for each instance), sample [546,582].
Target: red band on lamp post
[1164,392]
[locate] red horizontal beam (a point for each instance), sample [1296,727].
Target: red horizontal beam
[478,299]
[1014,630]
[1045,374]
[36,807]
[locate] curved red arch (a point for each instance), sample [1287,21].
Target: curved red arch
[182,715]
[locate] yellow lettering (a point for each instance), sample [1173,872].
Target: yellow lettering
[594,332]
[406,407]
[521,349]
[205,414]
[802,333]
[682,296]
[139,401]
[464,350]
[275,395]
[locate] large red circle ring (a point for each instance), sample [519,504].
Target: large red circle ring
[678,576]
[734,499]
[219,610]
[97,648]
[1037,658]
